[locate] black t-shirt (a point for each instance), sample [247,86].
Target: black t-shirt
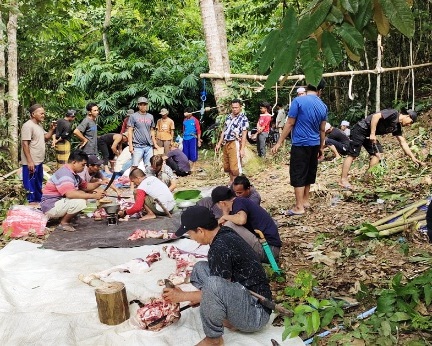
[338,136]
[257,218]
[388,123]
[231,258]
[108,138]
[63,129]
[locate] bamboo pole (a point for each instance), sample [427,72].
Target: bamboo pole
[400,223]
[302,76]
[396,214]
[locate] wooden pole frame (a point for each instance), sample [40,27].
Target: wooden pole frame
[302,76]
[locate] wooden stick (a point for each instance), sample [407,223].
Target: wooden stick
[3,177]
[166,211]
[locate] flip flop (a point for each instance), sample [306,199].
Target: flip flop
[291,212]
[66,227]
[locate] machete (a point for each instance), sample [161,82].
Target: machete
[111,180]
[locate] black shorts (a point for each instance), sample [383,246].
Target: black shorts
[359,138]
[303,165]
[340,147]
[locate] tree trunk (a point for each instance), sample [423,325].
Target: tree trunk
[221,27]
[213,48]
[107,22]
[12,60]
[112,303]
[2,70]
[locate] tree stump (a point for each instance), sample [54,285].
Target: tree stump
[112,303]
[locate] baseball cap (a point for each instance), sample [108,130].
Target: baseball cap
[345,123]
[142,99]
[221,193]
[194,217]
[70,113]
[412,114]
[93,160]
[163,111]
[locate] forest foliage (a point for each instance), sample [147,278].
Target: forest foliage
[157,49]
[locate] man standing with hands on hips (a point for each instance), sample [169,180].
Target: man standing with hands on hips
[87,130]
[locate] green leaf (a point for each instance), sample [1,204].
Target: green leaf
[335,16]
[284,63]
[315,320]
[399,316]
[289,24]
[385,328]
[327,317]
[269,50]
[313,19]
[331,49]
[301,309]
[385,303]
[396,282]
[308,52]
[371,234]
[350,5]
[428,293]
[363,15]
[351,36]
[313,301]
[399,15]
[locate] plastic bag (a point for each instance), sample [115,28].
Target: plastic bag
[22,220]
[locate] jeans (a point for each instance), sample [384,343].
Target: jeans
[225,300]
[261,143]
[144,153]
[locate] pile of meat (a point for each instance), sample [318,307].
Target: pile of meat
[157,314]
[184,264]
[144,234]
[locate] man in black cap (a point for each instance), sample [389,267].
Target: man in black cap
[224,282]
[364,134]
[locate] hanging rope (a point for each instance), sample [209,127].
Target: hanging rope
[350,94]
[203,95]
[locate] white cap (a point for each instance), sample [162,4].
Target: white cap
[344,123]
[327,126]
[301,90]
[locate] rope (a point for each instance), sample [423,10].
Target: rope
[350,94]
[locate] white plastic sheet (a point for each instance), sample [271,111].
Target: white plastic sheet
[42,302]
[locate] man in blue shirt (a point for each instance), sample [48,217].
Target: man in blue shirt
[191,137]
[306,119]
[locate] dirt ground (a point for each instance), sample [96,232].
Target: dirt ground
[322,241]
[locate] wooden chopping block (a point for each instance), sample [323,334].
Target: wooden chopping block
[112,303]
[166,211]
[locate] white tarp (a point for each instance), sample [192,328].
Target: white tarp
[42,302]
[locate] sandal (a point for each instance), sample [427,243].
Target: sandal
[66,227]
